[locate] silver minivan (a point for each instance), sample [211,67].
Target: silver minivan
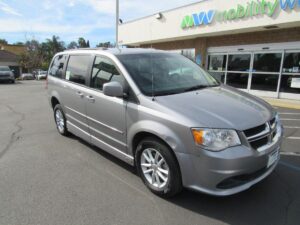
[163,114]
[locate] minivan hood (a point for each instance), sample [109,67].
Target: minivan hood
[219,107]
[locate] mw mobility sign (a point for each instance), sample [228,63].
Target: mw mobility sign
[251,9]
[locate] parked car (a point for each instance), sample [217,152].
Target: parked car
[6,74]
[165,115]
[41,75]
[27,76]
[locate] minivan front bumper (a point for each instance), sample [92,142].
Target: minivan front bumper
[227,172]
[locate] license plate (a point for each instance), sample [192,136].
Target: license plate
[272,158]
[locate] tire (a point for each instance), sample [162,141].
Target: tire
[60,120]
[147,166]
[12,81]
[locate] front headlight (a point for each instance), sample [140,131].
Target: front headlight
[215,139]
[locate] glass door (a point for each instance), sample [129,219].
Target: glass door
[238,68]
[217,64]
[290,79]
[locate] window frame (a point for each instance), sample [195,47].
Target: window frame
[87,81]
[133,98]
[92,66]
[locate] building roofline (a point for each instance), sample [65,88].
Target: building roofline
[165,11]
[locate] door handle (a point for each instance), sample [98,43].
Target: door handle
[79,93]
[90,99]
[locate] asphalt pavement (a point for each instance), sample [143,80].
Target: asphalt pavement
[46,178]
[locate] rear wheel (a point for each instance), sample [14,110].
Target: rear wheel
[158,167]
[60,120]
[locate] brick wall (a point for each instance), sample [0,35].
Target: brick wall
[201,44]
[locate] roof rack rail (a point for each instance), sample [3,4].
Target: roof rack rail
[74,49]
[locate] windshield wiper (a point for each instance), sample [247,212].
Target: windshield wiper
[198,87]
[167,93]
[194,88]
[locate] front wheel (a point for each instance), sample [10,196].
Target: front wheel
[60,120]
[158,167]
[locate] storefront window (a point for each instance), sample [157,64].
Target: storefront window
[267,62]
[290,84]
[217,62]
[239,62]
[291,63]
[189,52]
[220,76]
[238,80]
[264,82]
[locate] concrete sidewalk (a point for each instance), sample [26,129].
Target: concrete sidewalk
[285,103]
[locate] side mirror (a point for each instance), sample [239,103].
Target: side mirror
[113,89]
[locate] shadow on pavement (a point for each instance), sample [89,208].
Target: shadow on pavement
[269,202]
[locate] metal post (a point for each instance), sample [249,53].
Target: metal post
[117,22]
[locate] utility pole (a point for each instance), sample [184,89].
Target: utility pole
[117,23]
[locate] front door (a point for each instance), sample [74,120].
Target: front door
[106,115]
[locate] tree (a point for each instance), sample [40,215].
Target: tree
[88,44]
[3,41]
[105,45]
[33,57]
[54,45]
[19,43]
[82,43]
[72,45]
[39,55]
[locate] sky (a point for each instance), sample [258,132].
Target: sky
[22,20]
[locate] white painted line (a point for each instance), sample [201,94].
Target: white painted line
[293,138]
[290,153]
[291,127]
[286,119]
[289,113]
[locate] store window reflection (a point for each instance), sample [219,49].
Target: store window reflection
[291,63]
[219,76]
[239,62]
[238,80]
[267,62]
[264,82]
[217,62]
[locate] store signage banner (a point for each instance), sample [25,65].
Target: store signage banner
[253,8]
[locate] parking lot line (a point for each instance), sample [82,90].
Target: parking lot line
[290,166]
[286,119]
[293,138]
[288,127]
[290,153]
[289,113]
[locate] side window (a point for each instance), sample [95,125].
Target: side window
[57,66]
[103,72]
[77,68]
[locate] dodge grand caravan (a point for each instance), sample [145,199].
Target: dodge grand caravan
[162,113]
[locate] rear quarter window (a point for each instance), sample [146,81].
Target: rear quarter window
[57,67]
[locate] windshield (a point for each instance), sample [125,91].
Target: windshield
[165,73]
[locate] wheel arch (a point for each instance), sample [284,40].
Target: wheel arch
[156,130]
[55,99]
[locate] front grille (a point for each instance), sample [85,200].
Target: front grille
[259,143]
[4,76]
[261,135]
[252,131]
